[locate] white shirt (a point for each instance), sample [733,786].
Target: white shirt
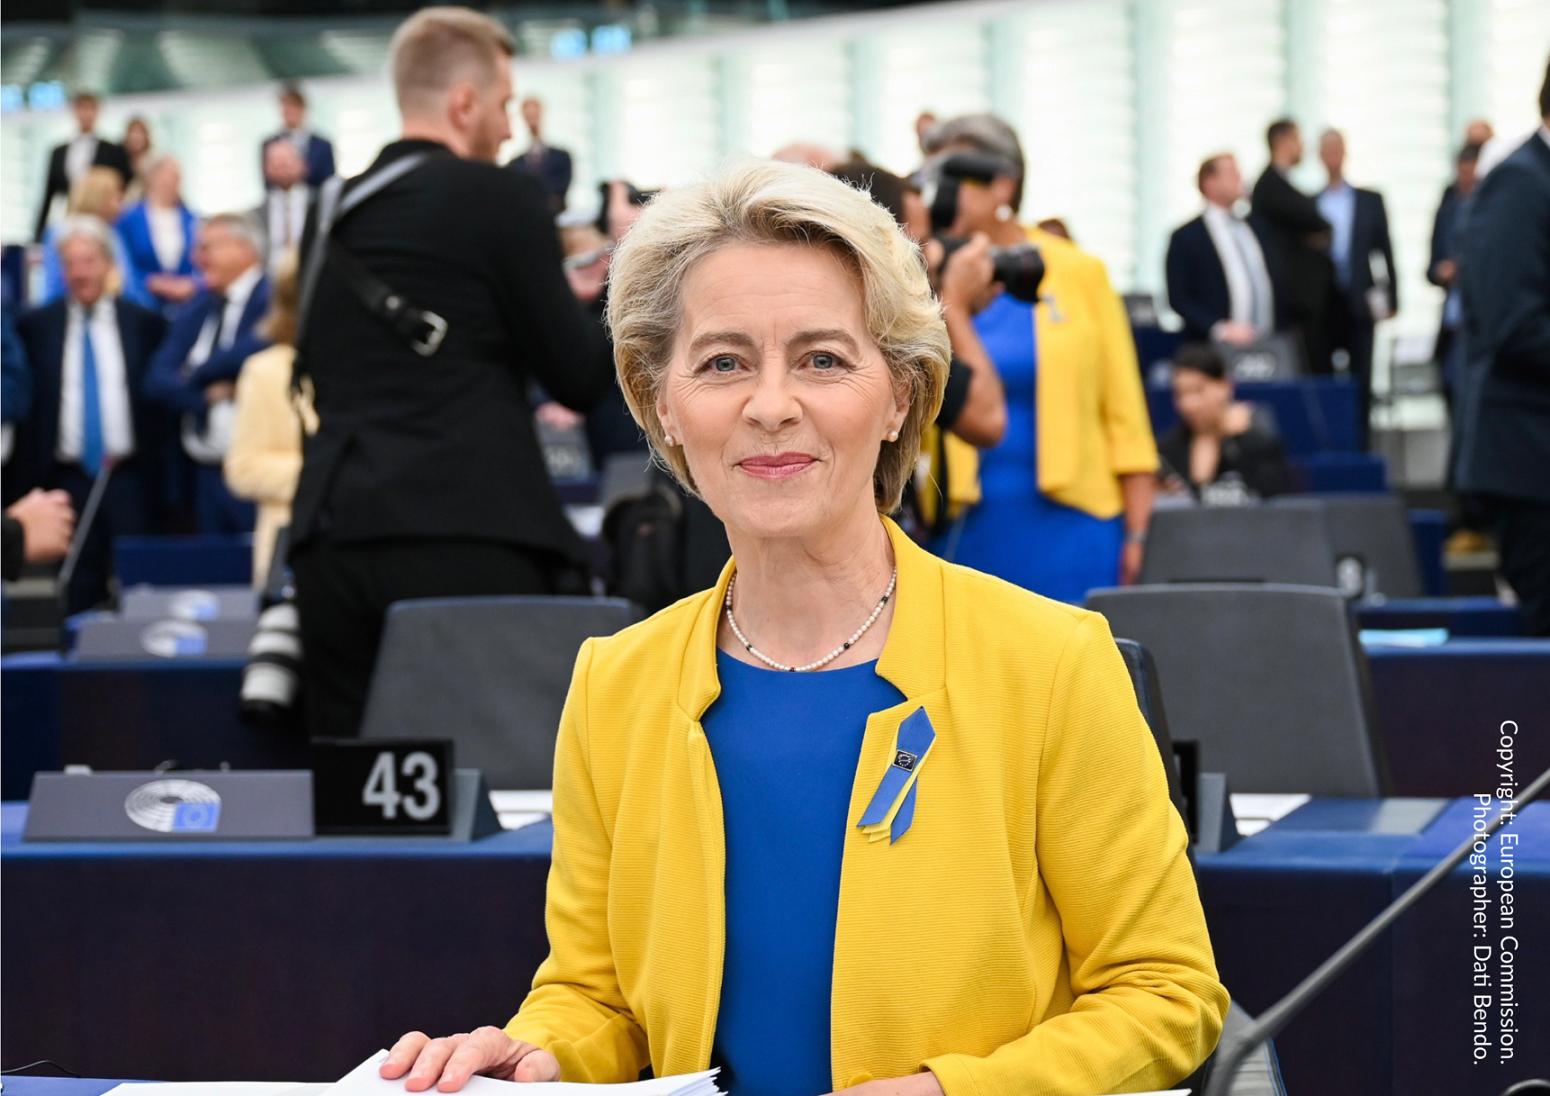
[207,441]
[79,154]
[118,432]
[167,237]
[1243,262]
[286,214]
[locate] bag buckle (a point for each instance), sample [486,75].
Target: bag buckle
[432,340]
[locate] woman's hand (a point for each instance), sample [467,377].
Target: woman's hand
[923,1083]
[448,1063]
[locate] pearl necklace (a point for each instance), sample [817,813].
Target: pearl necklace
[826,659]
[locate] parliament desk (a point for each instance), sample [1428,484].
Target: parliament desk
[182,962]
[128,715]
[1463,617]
[1439,710]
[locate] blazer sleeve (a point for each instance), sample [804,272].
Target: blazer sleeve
[1385,244]
[15,376]
[264,460]
[1182,265]
[226,365]
[1149,1005]
[568,353]
[576,1010]
[1283,203]
[1126,423]
[1442,246]
[164,381]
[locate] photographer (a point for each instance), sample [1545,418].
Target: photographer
[438,300]
[973,402]
[1066,497]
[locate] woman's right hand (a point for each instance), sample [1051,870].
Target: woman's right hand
[448,1063]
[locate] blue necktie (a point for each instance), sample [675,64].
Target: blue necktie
[91,409]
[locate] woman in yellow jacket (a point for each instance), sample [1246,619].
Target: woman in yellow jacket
[1066,497]
[856,818]
[264,459]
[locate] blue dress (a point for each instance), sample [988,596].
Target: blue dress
[785,747]
[1016,532]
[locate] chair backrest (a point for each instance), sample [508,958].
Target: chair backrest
[1374,547]
[624,474]
[491,673]
[1269,680]
[1288,543]
[1143,678]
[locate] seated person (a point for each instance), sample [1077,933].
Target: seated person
[1217,440]
[945,864]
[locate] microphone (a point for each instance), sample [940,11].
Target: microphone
[99,487]
[1234,1049]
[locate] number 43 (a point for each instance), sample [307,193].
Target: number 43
[382,786]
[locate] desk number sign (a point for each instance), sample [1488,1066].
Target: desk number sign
[382,786]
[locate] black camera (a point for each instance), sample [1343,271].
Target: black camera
[1021,268]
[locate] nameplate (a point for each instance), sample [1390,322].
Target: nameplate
[382,786]
[174,806]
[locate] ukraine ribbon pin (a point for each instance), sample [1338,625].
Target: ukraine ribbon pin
[893,804]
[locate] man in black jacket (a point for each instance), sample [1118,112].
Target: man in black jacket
[1366,291]
[1298,235]
[1504,447]
[76,156]
[1219,278]
[425,477]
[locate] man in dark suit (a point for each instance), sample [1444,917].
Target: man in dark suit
[283,215]
[1290,222]
[1442,269]
[72,159]
[551,165]
[1504,450]
[1219,279]
[194,374]
[1366,290]
[316,152]
[89,353]
[425,477]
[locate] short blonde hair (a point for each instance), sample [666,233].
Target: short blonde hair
[435,47]
[95,190]
[764,202]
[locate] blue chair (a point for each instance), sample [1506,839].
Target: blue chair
[184,561]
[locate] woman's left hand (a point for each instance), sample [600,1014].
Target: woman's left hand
[923,1083]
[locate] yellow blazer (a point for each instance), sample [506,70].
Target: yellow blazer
[1036,931]
[1092,418]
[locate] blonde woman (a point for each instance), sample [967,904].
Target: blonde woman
[98,192]
[830,824]
[264,459]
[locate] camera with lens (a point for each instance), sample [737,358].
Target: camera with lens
[1021,268]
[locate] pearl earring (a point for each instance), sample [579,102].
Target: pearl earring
[893,435]
[668,440]
[1004,213]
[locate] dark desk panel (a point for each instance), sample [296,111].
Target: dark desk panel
[186,962]
[1463,617]
[1283,901]
[129,715]
[1439,709]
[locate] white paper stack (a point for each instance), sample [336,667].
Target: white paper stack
[364,1080]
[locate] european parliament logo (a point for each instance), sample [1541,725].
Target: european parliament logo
[174,806]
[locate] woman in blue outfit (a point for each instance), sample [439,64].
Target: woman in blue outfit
[1067,495]
[99,192]
[159,232]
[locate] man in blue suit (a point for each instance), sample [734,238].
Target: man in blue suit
[1219,275]
[551,165]
[89,353]
[1365,286]
[194,374]
[1504,448]
[318,152]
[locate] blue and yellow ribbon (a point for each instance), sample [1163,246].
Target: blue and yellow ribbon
[892,809]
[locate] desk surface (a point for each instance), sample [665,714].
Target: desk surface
[57,1086]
